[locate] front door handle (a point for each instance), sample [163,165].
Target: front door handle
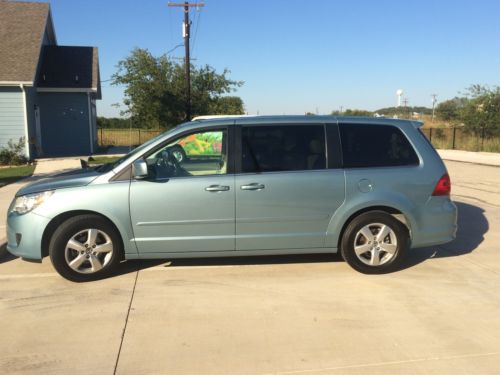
[213,188]
[253,186]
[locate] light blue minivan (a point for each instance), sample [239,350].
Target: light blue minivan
[236,186]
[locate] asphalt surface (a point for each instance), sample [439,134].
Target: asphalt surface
[309,314]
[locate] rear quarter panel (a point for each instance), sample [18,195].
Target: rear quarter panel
[407,189]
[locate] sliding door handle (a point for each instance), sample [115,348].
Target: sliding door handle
[215,188]
[253,186]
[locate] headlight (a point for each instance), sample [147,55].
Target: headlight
[28,202]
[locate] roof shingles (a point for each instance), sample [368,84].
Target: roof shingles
[22,27]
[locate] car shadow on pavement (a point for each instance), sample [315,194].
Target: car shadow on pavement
[5,256]
[138,265]
[472,226]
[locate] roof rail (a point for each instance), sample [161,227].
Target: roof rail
[209,117]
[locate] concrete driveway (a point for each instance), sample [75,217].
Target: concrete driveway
[277,315]
[44,168]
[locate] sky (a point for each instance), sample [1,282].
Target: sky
[299,56]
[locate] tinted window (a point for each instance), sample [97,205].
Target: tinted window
[283,148]
[375,146]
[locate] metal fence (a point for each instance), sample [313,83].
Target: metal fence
[443,138]
[125,137]
[462,139]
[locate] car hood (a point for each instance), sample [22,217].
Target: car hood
[80,177]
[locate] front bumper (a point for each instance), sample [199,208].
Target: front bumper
[24,234]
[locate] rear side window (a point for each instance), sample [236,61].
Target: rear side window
[282,148]
[375,146]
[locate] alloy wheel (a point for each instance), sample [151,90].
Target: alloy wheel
[375,244]
[88,251]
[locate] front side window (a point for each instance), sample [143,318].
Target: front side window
[283,148]
[375,146]
[196,154]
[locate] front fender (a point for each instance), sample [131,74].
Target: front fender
[110,200]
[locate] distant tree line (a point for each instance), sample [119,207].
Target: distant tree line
[477,110]
[113,122]
[398,111]
[401,112]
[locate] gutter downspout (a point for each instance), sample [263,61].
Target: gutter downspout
[25,112]
[90,124]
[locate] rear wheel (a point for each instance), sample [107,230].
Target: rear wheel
[374,242]
[85,248]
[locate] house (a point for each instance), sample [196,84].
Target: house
[48,92]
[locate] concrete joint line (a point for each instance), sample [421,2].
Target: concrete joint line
[126,322]
[389,363]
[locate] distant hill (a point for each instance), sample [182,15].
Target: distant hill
[392,111]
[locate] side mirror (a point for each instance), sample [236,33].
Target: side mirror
[139,169]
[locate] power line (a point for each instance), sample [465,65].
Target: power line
[173,49]
[171,35]
[197,23]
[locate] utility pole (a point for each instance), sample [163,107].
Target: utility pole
[405,104]
[186,33]
[434,101]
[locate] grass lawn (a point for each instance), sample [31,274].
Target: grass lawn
[12,174]
[96,160]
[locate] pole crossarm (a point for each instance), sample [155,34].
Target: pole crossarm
[186,5]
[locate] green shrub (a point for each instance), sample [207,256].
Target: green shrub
[13,154]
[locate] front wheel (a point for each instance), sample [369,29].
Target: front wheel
[374,242]
[179,153]
[85,248]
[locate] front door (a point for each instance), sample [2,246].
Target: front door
[285,195]
[187,203]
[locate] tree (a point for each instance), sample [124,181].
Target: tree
[155,89]
[481,114]
[356,112]
[227,105]
[451,110]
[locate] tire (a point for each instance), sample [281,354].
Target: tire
[364,249]
[179,153]
[85,248]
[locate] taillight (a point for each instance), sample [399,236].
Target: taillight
[443,187]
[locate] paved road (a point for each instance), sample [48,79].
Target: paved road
[279,315]
[477,182]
